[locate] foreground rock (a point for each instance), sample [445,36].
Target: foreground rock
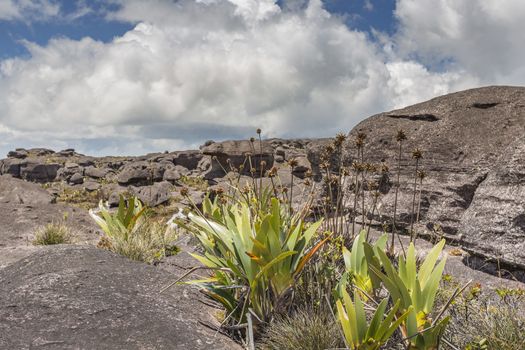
[80,297]
[472,143]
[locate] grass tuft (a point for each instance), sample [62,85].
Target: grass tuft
[305,329]
[53,233]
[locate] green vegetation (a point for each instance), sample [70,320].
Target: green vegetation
[130,232]
[256,252]
[194,182]
[53,233]
[306,329]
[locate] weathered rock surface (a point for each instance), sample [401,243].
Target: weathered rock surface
[81,297]
[474,175]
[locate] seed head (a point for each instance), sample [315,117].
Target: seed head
[258,131]
[272,172]
[417,154]
[421,175]
[293,162]
[252,139]
[339,140]
[184,191]
[401,136]
[329,149]
[360,140]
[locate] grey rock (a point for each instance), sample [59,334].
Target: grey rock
[174,173]
[38,172]
[187,159]
[237,153]
[91,186]
[463,137]
[96,173]
[11,166]
[19,153]
[81,297]
[302,167]
[494,222]
[136,173]
[76,179]
[153,195]
[17,191]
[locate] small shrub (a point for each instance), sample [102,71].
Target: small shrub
[305,329]
[129,232]
[53,233]
[492,321]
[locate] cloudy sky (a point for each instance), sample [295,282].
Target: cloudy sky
[134,76]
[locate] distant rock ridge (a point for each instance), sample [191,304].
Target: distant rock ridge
[473,151]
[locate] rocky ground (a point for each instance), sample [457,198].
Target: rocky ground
[473,194]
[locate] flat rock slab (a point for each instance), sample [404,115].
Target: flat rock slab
[81,297]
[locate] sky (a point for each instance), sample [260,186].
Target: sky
[128,77]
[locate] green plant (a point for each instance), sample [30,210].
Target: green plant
[256,252]
[356,265]
[484,320]
[416,289]
[53,233]
[305,329]
[361,335]
[129,232]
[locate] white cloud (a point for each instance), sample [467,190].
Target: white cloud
[483,38]
[28,10]
[193,70]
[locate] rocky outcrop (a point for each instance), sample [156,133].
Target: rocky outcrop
[469,189]
[494,222]
[81,297]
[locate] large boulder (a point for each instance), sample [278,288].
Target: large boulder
[494,223]
[237,154]
[135,173]
[81,297]
[463,137]
[38,171]
[153,195]
[16,191]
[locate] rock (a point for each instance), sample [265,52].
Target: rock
[66,152]
[235,154]
[17,191]
[463,137]
[302,167]
[96,173]
[174,173]
[19,153]
[11,166]
[91,186]
[153,195]
[187,159]
[38,172]
[68,170]
[86,161]
[136,173]
[40,152]
[76,179]
[81,297]
[494,222]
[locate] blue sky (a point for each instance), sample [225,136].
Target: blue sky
[137,76]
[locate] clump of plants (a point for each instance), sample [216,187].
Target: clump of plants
[129,231]
[485,319]
[79,197]
[305,328]
[53,233]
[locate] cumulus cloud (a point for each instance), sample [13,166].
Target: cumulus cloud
[28,10]
[193,70]
[483,38]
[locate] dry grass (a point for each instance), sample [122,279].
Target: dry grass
[53,233]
